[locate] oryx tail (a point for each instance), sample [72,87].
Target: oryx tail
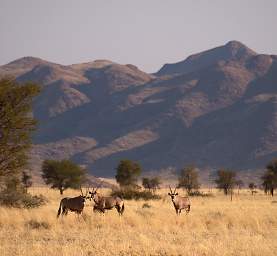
[59,210]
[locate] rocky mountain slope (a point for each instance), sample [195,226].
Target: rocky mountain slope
[216,108]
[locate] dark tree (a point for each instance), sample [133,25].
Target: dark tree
[151,183]
[146,183]
[127,173]
[16,124]
[63,174]
[270,177]
[188,179]
[252,186]
[226,180]
[26,180]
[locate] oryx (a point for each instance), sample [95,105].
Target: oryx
[179,202]
[74,204]
[103,203]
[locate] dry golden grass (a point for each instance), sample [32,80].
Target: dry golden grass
[215,226]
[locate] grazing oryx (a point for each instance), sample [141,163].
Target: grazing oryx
[103,203]
[179,202]
[74,204]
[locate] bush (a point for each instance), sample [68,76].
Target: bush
[198,193]
[30,201]
[21,199]
[14,194]
[130,194]
[34,224]
[146,205]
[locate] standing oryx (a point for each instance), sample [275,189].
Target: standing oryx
[74,204]
[103,203]
[179,202]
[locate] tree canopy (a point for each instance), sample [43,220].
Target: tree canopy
[269,178]
[226,180]
[127,173]
[63,174]
[16,124]
[151,183]
[188,178]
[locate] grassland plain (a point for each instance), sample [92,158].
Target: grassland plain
[215,226]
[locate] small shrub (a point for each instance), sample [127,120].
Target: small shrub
[130,194]
[21,199]
[201,194]
[144,213]
[30,201]
[146,205]
[217,215]
[34,224]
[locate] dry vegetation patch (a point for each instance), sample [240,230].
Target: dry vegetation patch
[215,226]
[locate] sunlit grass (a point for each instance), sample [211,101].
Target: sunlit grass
[215,226]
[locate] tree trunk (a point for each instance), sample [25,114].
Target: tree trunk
[61,191]
[272,191]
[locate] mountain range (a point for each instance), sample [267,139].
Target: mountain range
[217,108]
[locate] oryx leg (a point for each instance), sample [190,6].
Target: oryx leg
[177,211]
[118,208]
[65,211]
[80,213]
[98,209]
[188,209]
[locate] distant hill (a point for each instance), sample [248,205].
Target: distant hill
[216,108]
[233,50]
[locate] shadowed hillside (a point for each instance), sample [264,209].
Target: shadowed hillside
[216,108]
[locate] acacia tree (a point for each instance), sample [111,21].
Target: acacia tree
[127,173]
[188,178]
[270,177]
[16,124]
[63,174]
[151,183]
[226,181]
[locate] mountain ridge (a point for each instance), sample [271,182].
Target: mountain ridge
[216,109]
[203,59]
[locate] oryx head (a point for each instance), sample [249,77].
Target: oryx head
[84,196]
[172,194]
[93,193]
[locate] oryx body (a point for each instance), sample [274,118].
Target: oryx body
[179,202]
[74,204]
[103,203]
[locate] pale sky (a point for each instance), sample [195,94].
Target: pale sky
[146,33]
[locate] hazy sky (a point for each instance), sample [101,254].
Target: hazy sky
[146,33]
